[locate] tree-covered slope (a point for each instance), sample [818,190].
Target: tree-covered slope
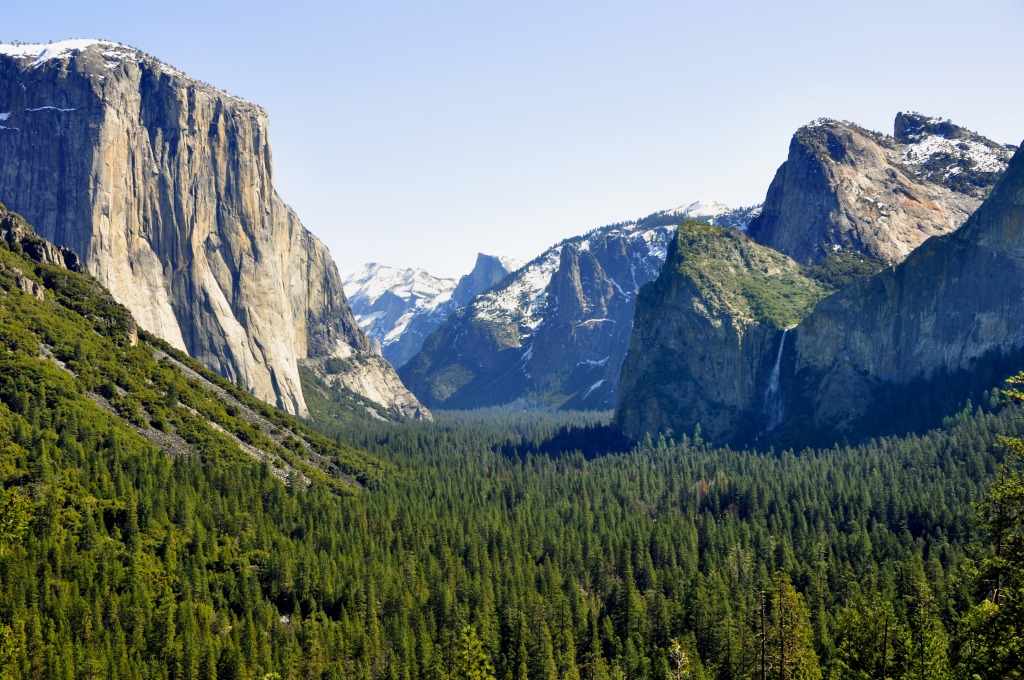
[166,506]
[672,556]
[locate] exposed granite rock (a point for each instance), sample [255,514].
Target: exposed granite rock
[488,270]
[554,332]
[707,337]
[399,308]
[18,236]
[883,354]
[844,187]
[953,307]
[164,185]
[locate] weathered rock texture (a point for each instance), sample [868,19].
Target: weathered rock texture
[844,187]
[949,317]
[164,186]
[554,332]
[883,354]
[706,337]
[399,308]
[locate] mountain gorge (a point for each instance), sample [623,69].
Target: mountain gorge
[557,330]
[164,186]
[399,308]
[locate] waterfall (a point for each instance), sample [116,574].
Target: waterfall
[772,398]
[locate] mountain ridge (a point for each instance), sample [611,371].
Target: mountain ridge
[844,187]
[555,331]
[399,308]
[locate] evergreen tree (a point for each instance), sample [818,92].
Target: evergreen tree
[471,661]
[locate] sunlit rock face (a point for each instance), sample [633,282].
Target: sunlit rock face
[847,188]
[164,186]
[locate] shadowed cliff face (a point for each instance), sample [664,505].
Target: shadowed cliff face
[164,186]
[555,331]
[708,338]
[880,355]
[847,188]
[952,307]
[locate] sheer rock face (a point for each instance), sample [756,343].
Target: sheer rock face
[707,338]
[920,335]
[844,187]
[555,331]
[164,186]
[954,305]
[488,270]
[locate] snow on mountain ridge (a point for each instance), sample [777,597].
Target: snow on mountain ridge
[368,283]
[41,53]
[523,300]
[983,157]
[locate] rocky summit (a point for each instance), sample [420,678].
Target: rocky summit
[942,324]
[845,188]
[882,353]
[164,186]
[399,308]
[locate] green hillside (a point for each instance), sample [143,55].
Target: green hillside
[156,522]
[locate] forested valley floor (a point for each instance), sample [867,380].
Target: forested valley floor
[482,550]
[158,522]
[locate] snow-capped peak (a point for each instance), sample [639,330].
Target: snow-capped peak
[42,53]
[510,263]
[371,281]
[702,209]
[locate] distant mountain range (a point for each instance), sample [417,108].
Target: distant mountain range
[556,330]
[849,291]
[399,308]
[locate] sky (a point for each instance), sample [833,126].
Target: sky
[416,134]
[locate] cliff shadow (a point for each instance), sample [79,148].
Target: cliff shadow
[899,409]
[591,441]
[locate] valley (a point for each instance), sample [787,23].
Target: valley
[774,441]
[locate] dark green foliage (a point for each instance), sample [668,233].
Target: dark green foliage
[645,563]
[840,267]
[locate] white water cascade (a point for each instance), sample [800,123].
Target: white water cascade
[772,397]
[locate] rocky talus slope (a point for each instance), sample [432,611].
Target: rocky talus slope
[847,188]
[164,186]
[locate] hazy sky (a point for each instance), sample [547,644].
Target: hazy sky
[418,133]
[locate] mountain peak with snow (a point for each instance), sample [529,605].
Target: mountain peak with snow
[399,307]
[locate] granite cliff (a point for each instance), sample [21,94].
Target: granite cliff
[847,188]
[164,186]
[707,337]
[555,331]
[946,320]
[884,353]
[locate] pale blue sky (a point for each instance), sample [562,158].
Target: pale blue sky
[417,133]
